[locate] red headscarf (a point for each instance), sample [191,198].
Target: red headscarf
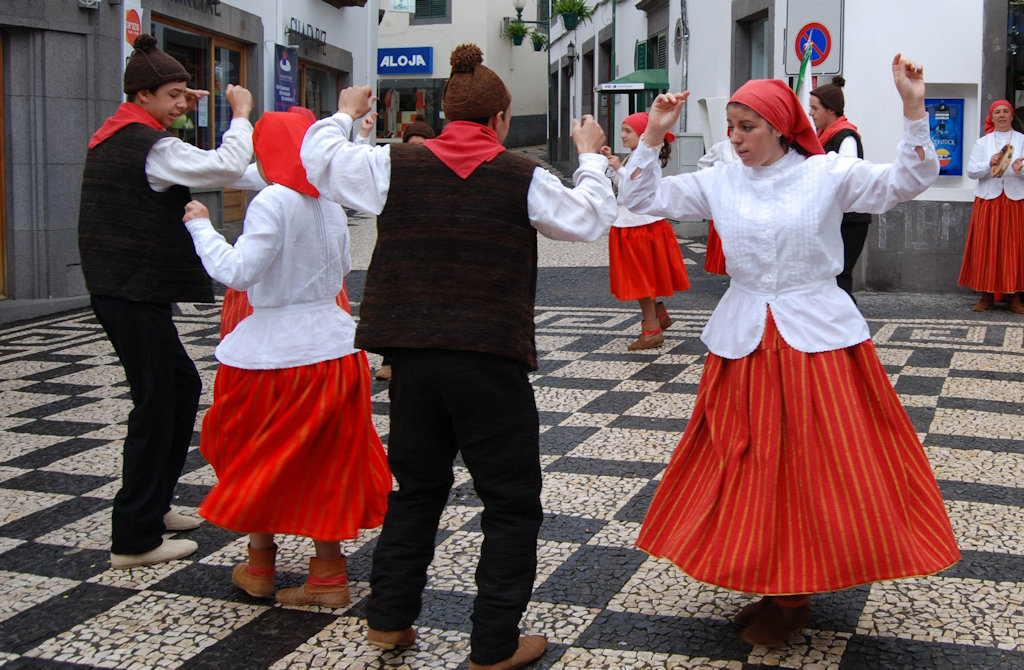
[276,139]
[776,103]
[638,122]
[989,126]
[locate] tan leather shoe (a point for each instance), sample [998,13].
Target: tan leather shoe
[751,611]
[1013,303]
[327,585]
[774,625]
[664,320]
[531,647]
[650,337]
[384,373]
[390,639]
[176,521]
[986,302]
[257,576]
[169,550]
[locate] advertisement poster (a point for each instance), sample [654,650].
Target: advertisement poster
[132,28]
[946,120]
[286,78]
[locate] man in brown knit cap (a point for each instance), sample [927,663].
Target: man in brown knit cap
[138,258]
[449,296]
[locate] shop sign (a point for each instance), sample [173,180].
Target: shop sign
[305,32]
[286,78]
[208,6]
[405,60]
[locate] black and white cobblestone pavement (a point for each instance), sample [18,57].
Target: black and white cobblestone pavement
[610,420]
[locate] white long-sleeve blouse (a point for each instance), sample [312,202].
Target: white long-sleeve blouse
[979,166]
[779,226]
[291,257]
[359,177]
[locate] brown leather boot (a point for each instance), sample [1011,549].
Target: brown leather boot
[1013,303]
[751,611]
[986,302]
[326,585]
[650,336]
[779,619]
[664,320]
[257,576]
[390,639]
[531,647]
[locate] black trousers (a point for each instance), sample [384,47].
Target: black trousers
[165,388]
[482,406]
[854,236]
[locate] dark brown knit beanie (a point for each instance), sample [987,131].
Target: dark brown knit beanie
[418,128]
[149,68]
[473,91]
[831,95]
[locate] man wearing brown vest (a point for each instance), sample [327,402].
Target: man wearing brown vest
[137,259]
[449,296]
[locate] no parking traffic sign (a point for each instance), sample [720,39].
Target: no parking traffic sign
[820,24]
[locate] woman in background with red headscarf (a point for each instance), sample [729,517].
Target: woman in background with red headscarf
[994,251]
[289,433]
[799,471]
[644,259]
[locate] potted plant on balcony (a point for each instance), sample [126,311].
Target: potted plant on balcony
[538,39]
[572,12]
[516,31]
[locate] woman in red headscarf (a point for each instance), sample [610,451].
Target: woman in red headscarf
[799,471]
[644,259]
[994,251]
[289,433]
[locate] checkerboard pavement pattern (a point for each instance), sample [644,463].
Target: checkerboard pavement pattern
[610,421]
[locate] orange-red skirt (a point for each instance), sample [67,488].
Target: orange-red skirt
[799,473]
[714,259]
[295,451]
[236,307]
[994,251]
[645,262]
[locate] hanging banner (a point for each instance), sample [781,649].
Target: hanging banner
[946,121]
[286,78]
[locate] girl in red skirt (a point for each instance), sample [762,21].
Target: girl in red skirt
[799,471]
[644,259]
[289,433]
[994,251]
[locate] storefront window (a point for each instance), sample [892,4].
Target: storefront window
[320,90]
[399,101]
[213,63]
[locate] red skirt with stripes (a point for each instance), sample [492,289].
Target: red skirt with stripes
[714,259]
[645,262]
[236,307]
[295,451]
[994,251]
[799,473]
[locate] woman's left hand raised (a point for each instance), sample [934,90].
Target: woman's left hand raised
[909,79]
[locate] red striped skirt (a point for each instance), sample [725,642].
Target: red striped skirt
[295,451]
[645,262]
[236,307]
[994,250]
[714,259]
[799,473]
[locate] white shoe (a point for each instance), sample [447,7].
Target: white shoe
[176,521]
[169,550]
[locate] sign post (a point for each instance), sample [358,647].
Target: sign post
[817,24]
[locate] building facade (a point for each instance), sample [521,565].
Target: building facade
[62,66]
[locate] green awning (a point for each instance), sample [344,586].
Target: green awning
[640,80]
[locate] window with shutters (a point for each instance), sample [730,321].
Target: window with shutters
[432,11]
[657,51]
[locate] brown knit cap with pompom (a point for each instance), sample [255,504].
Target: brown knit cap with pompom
[831,95]
[473,91]
[149,68]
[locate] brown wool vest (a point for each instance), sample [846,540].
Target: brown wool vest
[131,238]
[455,265]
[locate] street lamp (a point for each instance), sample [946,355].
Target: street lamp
[519,5]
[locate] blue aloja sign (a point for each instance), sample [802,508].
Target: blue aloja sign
[405,60]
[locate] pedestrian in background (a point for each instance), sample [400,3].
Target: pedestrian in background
[137,259]
[449,295]
[836,133]
[799,471]
[994,250]
[289,433]
[644,259]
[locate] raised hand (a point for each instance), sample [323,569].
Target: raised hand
[614,161]
[356,101]
[909,79]
[663,115]
[588,136]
